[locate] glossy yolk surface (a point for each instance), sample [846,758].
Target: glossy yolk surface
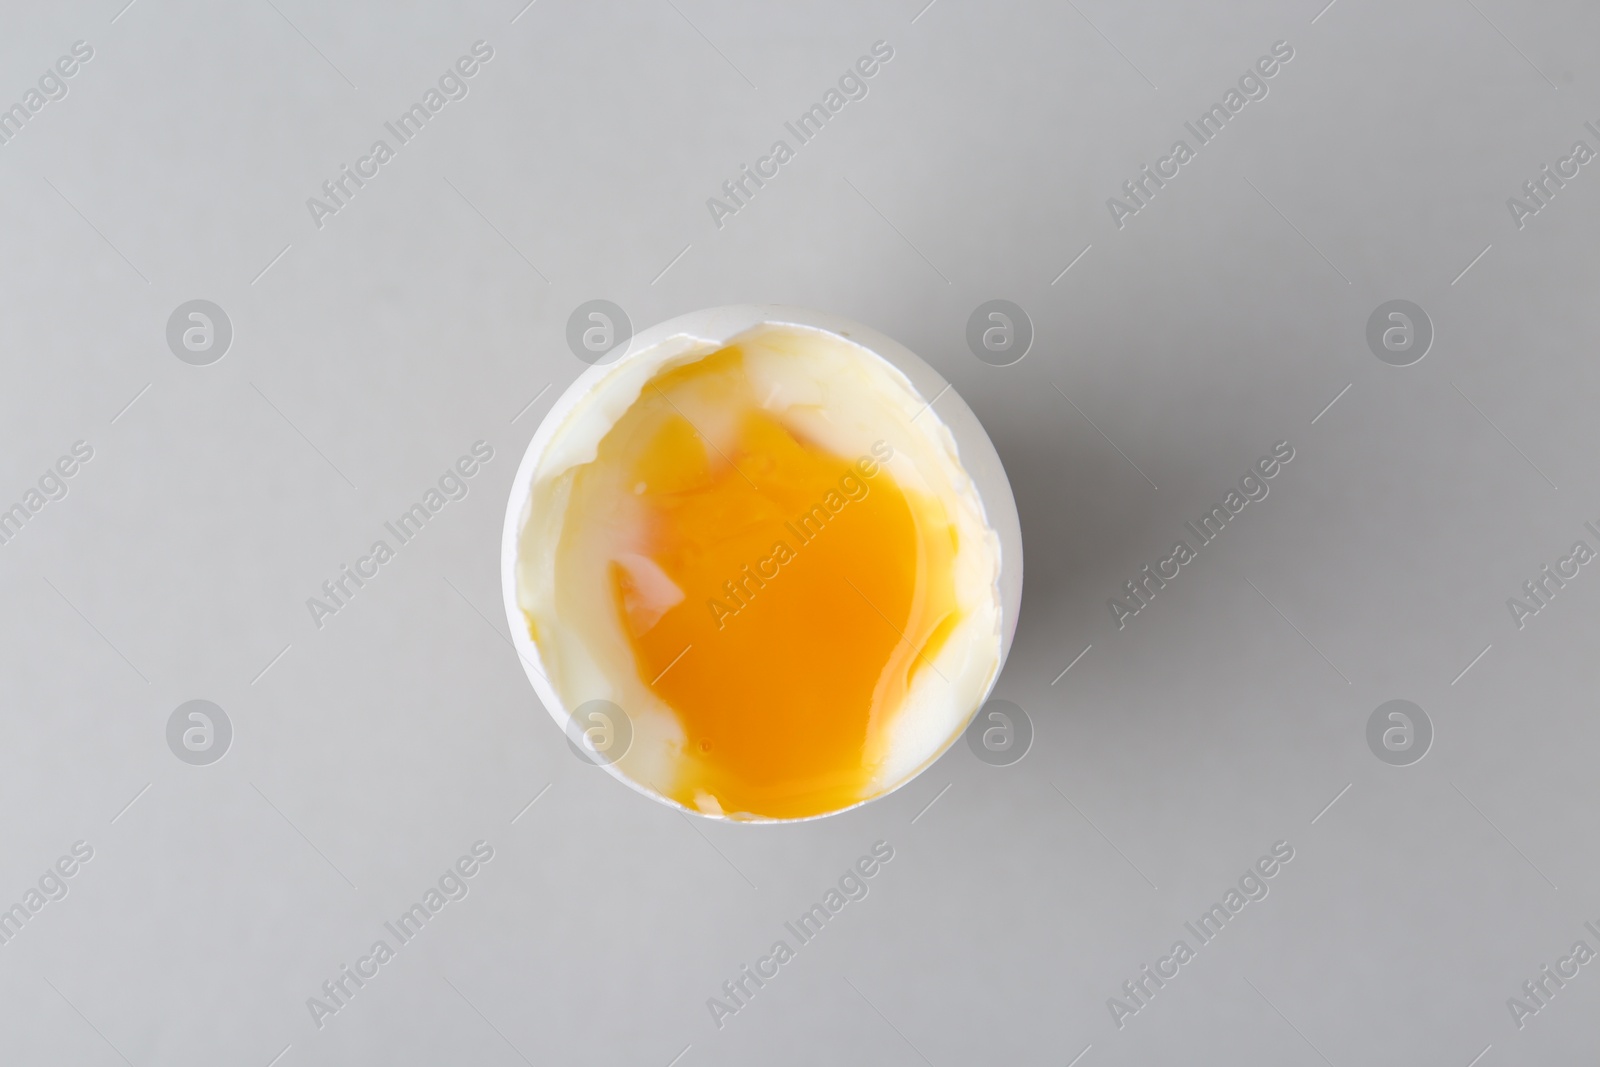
[814,590]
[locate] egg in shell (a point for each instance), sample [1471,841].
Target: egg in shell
[780,546]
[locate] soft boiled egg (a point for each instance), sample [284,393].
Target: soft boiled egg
[780,545]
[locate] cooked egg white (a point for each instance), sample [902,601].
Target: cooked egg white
[767,552]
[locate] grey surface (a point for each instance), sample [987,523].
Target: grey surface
[369,754]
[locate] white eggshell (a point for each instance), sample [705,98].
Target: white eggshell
[602,393]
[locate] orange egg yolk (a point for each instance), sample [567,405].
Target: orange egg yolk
[815,590]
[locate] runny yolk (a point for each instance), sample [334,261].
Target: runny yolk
[814,591]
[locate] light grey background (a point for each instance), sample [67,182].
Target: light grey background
[1226,316]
